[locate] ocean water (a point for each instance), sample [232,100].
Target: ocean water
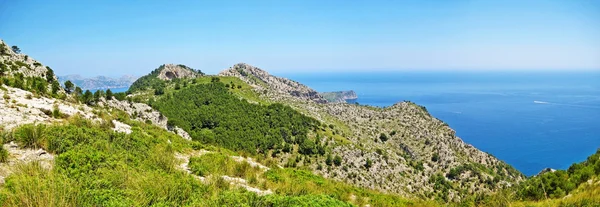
[114,90]
[531,120]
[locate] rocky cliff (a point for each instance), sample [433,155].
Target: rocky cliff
[262,80]
[339,96]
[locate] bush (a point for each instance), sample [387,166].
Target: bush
[337,160]
[3,154]
[30,135]
[383,137]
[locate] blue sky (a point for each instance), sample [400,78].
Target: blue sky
[133,37]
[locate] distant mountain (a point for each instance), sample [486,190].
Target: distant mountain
[99,82]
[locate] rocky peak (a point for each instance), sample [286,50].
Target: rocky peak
[12,63]
[172,71]
[261,79]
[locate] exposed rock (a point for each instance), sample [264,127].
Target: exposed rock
[144,113]
[22,107]
[121,127]
[172,71]
[182,133]
[18,155]
[546,170]
[261,80]
[21,63]
[139,111]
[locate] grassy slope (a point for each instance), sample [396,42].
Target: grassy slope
[95,166]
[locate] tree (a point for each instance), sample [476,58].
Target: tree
[49,74]
[55,87]
[383,137]
[88,97]
[329,160]
[78,91]
[97,95]
[69,86]
[337,160]
[109,94]
[16,49]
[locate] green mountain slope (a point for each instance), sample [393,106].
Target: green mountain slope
[256,140]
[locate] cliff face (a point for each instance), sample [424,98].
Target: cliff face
[262,80]
[339,96]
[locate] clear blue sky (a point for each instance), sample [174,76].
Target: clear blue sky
[135,36]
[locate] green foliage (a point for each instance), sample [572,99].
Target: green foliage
[15,49]
[49,74]
[109,94]
[30,135]
[383,137]
[3,154]
[435,157]
[337,160]
[95,166]
[368,163]
[236,124]
[69,86]
[559,183]
[441,185]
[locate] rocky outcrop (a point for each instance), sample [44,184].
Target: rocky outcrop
[17,155]
[13,63]
[262,80]
[19,107]
[144,113]
[339,96]
[172,71]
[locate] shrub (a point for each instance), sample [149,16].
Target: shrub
[383,137]
[337,160]
[3,154]
[30,135]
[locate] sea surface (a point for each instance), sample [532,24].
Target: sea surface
[114,90]
[531,120]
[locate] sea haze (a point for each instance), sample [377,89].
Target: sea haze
[531,120]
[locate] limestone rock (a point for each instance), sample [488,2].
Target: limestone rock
[261,80]
[172,71]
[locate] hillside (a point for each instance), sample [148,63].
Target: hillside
[97,150]
[21,71]
[250,141]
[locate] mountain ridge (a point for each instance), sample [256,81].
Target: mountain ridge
[99,82]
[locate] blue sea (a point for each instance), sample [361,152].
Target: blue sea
[531,120]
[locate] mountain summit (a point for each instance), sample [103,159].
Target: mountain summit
[166,72]
[261,79]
